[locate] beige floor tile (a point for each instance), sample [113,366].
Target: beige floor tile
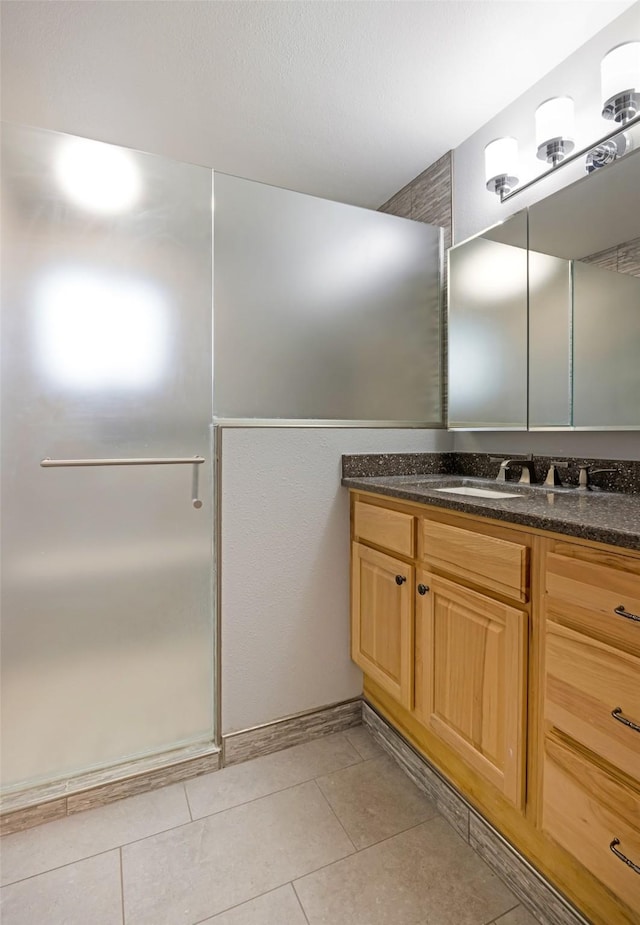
[517,916]
[261,776]
[79,836]
[281,907]
[426,875]
[85,893]
[374,800]
[183,876]
[364,743]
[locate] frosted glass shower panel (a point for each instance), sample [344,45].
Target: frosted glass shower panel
[323,310]
[107,635]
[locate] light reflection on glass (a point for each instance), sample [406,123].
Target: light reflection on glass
[99,331]
[495,270]
[96,176]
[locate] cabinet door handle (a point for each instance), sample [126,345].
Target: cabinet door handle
[422,589]
[400,579]
[625,613]
[623,857]
[617,714]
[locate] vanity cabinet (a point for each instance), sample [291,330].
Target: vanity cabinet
[510,658]
[591,777]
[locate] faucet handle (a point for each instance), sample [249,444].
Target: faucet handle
[553,478]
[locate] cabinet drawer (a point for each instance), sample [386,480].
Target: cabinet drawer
[378,525]
[586,811]
[497,564]
[590,595]
[586,680]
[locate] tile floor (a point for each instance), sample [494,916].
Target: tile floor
[327,832]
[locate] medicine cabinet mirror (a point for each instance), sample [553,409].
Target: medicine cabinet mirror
[544,312]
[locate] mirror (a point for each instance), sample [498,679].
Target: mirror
[574,324]
[488,329]
[584,302]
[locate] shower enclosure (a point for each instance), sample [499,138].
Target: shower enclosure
[107,477]
[324,313]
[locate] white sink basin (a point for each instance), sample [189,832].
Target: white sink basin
[478,492]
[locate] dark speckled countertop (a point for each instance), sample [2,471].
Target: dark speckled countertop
[602,516]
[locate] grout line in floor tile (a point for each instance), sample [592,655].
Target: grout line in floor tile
[186,796]
[244,902]
[358,851]
[334,814]
[49,870]
[306,918]
[506,912]
[354,746]
[121,884]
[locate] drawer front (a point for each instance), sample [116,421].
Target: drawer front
[497,564]
[599,599]
[592,693]
[587,812]
[392,530]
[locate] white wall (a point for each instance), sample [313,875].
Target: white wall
[474,208]
[285,566]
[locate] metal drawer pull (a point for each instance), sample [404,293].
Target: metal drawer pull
[617,714]
[400,579]
[623,857]
[422,589]
[625,613]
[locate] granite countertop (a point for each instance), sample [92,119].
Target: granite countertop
[602,516]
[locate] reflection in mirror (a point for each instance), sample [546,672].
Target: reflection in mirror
[488,329]
[590,231]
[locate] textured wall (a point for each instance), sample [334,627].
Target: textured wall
[285,566]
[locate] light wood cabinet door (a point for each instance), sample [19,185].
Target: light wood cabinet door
[382,623]
[471,667]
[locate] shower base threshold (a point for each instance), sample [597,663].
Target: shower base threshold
[32,806]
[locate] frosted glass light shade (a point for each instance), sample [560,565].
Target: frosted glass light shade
[620,70]
[555,119]
[620,75]
[501,164]
[555,122]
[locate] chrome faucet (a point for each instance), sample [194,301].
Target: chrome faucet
[505,464]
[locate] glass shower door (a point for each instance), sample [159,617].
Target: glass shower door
[107,584]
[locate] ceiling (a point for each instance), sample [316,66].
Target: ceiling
[345,100]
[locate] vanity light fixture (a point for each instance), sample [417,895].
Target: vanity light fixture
[500,165]
[620,74]
[555,137]
[555,129]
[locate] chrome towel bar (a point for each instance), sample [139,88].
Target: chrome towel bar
[194,461]
[160,461]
